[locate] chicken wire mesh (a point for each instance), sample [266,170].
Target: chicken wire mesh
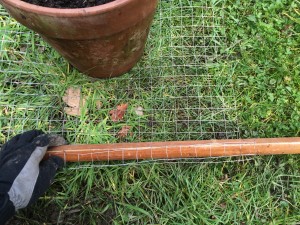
[181,89]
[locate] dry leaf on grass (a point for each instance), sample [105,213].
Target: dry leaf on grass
[72,111]
[99,104]
[139,111]
[74,100]
[118,114]
[124,132]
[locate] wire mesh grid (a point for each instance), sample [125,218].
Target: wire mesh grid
[181,89]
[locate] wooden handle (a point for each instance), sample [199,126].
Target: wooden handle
[176,150]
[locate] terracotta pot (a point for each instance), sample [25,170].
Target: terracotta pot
[101,41]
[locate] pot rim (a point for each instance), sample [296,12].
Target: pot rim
[68,12]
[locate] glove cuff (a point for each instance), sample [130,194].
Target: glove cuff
[7,209]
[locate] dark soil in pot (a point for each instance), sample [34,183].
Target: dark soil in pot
[68,4]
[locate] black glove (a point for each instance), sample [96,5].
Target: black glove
[24,177]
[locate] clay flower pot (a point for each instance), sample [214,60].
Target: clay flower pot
[101,41]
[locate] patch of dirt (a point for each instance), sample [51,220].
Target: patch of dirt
[68,4]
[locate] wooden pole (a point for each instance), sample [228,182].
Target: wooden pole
[177,149]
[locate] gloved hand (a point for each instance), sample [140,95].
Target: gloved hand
[24,177]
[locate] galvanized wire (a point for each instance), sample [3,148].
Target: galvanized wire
[182,85]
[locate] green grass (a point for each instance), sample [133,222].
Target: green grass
[266,50]
[229,193]
[247,85]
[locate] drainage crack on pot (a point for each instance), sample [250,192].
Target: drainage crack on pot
[71,4]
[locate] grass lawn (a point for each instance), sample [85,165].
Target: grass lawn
[211,69]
